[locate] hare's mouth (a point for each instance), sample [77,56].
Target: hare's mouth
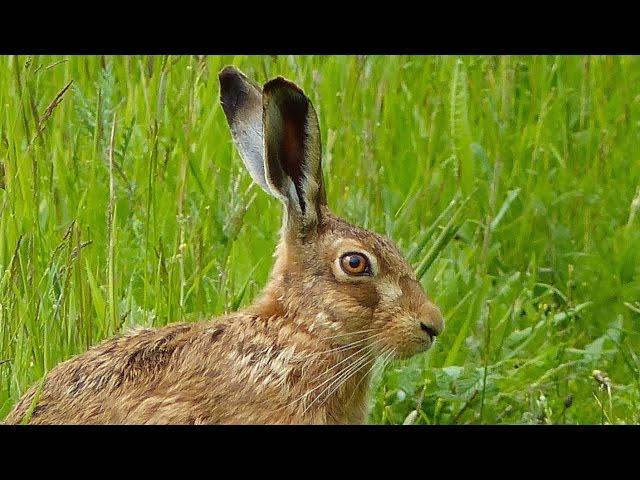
[416,345]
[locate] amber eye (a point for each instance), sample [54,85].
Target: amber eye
[355,264]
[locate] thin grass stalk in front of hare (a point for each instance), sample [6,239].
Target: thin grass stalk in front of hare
[111,220]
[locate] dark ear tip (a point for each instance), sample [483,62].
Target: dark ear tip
[235,90]
[229,71]
[229,76]
[280,84]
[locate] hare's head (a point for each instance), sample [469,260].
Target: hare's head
[347,283]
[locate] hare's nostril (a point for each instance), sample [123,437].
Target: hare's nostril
[430,330]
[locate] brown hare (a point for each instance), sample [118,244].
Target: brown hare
[338,298]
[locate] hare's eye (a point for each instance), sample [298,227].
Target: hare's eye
[355,264]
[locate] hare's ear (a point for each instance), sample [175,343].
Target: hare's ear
[241,101]
[292,152]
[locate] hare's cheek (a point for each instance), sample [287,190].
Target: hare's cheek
[340,310]
[384,331]
[359,299]
[354,315]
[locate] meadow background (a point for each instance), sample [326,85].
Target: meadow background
[512,183]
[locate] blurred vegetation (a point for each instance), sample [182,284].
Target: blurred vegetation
[512,183]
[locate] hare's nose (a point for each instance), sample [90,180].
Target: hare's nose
[430,330]
[431,320]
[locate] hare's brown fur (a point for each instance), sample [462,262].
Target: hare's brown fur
[239,369]
[302,352]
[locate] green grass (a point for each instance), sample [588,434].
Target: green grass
[535,264]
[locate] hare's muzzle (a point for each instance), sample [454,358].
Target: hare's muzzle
[419,328]
[431,321]
[416,320]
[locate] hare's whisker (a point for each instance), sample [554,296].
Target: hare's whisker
[332,378]
[306,394]
[351,333]
[353,372]
[331,368]
[337,379]
[344,379]
[340,348]
[336,365]
[335,349]
[384,356]
[345,375]
[373,364]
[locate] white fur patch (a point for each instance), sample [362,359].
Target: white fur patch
[389,291]
[323,319]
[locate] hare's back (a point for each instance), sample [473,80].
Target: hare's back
[92,387]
